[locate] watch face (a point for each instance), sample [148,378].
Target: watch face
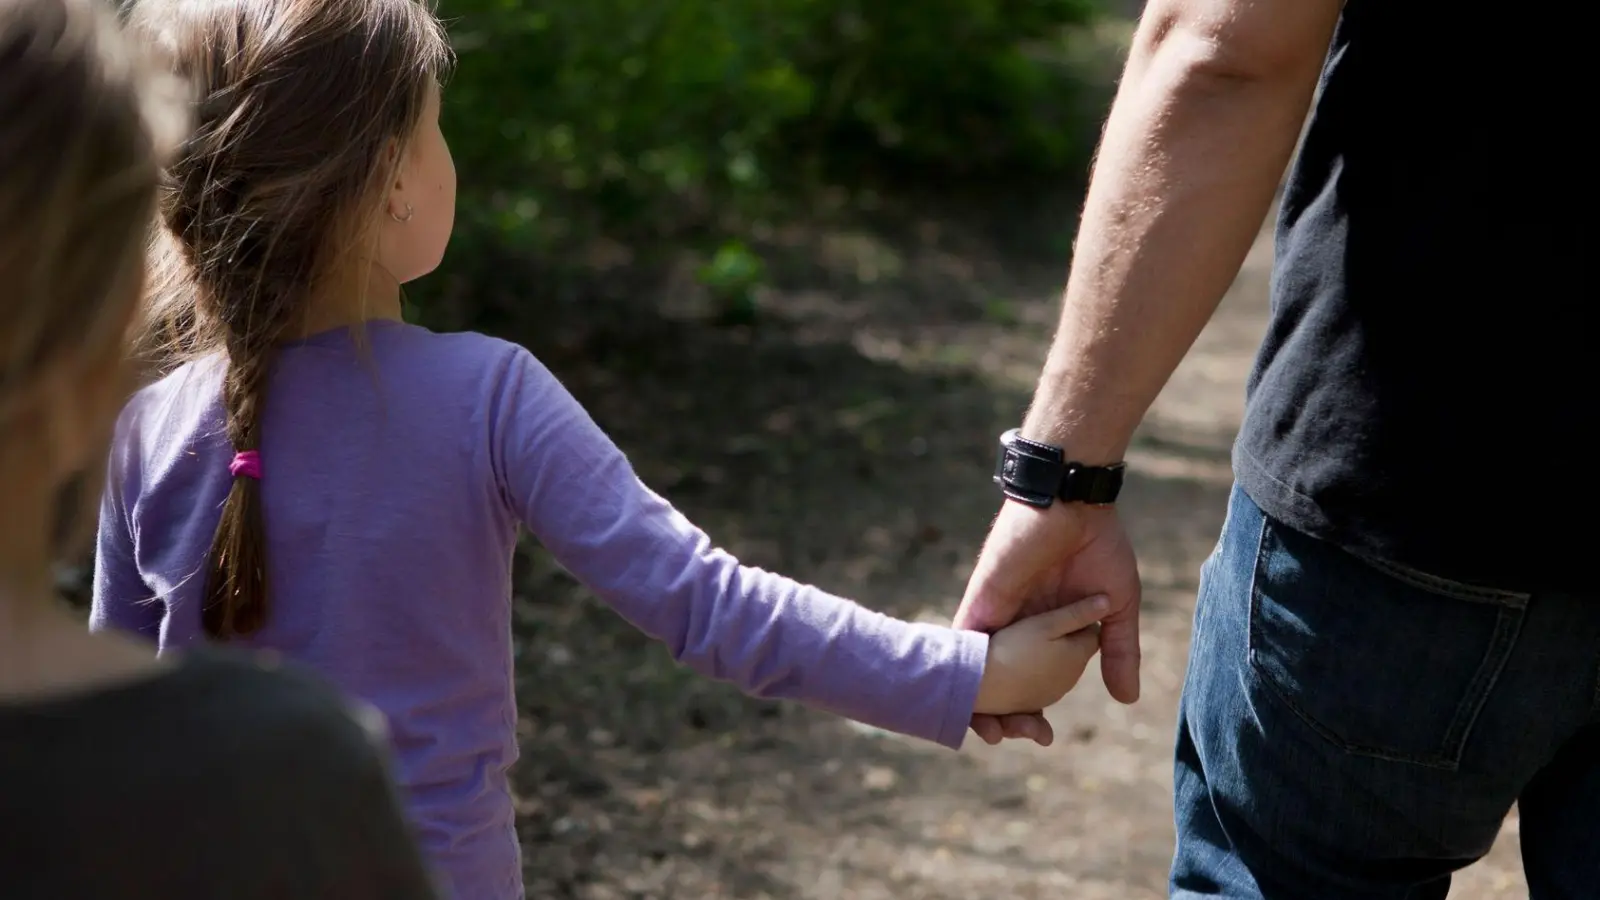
[1038,474]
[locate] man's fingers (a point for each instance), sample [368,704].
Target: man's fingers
[991,601]
[973,614]
[1022,542]
[988,728]
[1072,617]
[1032,726]
[1119,653]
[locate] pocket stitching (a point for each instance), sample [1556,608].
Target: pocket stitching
[1508,623]
[1443,587]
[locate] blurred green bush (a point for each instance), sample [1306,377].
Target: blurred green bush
[639,118]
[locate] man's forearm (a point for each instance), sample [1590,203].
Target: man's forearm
[1191,157]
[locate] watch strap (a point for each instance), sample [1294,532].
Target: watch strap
[1095,485]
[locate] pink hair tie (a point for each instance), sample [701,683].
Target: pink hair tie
[246,463]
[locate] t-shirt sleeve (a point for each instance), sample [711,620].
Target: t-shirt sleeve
[121,599]
[768,635]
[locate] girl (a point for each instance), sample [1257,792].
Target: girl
[327,481]
[124,775]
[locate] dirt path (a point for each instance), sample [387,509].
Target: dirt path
[865,441]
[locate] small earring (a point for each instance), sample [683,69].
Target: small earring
[405,218]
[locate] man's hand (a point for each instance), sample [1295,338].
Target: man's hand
[1037,560]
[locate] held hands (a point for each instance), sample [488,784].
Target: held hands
[1036,661]
[1035,561]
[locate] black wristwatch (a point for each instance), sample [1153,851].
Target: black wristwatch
[1039,474]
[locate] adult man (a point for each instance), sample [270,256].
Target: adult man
[1398,636]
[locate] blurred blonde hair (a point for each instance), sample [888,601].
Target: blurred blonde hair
[85,124]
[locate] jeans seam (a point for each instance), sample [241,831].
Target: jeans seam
[1508,624]
[1443,586]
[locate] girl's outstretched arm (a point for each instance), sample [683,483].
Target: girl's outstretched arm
[768,635]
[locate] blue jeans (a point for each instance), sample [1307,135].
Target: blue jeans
[1353,729]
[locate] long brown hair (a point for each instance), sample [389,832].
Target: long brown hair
[87,123]
[303,110]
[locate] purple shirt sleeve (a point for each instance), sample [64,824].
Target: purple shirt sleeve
[768,635]
[121,598]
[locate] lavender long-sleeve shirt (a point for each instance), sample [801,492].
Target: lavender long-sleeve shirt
[395,477]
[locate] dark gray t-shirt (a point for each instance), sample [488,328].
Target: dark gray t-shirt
[1425,392]
[221,778]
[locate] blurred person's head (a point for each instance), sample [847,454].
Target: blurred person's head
[317,182]
[84,127]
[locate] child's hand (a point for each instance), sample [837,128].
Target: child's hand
[1034,661]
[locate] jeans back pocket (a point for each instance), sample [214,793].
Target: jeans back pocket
[1377,659]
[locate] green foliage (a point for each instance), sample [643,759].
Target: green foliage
[647,117]
[967,86]
[732,276]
